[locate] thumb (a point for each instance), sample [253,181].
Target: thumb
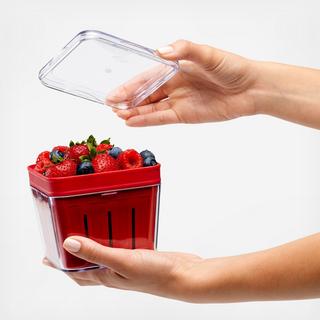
[206,56]
[116,259]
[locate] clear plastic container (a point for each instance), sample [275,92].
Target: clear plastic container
[117,208]
[107,70]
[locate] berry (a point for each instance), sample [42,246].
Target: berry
[43,165]
[43,155]
[85,167]
[147,162]
[88,157]
[77,151]
[114,152]
[63,169]
[62,149]
[103,162]
[102,147]
[56,156]
[147,154]
[129,159]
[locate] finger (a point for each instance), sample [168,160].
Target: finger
[80,281]
[83,283]
[119,260]
[156,96]
[203,55]
[157,118]
[106,277]
[153,107]
[126,92]
[48,263]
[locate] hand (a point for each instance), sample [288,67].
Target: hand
[290,271]
[212,85]
[160,273]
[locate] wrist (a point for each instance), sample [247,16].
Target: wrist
[225,280]
[265,92]
[216,280]
[287,92]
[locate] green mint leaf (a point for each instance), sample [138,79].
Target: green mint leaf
[71,143]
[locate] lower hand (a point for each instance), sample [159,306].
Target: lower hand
[290,271]
[166,274]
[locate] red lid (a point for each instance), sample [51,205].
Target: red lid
[96,182]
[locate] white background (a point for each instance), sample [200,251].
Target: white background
[228,188]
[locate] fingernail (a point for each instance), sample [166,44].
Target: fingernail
[72,245]
[165,50]
[123,114]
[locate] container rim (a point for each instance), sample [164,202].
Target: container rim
[95,182]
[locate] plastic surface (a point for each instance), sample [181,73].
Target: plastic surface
[92,183]
[107,70]
[122,218]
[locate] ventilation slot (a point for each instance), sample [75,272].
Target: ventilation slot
[133,227]
[86,227]
[110,228]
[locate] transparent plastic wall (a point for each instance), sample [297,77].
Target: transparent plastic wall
[125,218]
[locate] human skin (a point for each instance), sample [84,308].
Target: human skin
[290,271]
[214,85]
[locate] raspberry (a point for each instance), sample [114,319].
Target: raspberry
[129,159]
[43,165]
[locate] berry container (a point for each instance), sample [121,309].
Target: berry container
[116,208]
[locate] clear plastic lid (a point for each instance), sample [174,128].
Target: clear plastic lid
[105,69]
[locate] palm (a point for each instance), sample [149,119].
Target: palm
[143,270]
[197,94]
[202,96]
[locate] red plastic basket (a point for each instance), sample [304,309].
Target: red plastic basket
[116,208]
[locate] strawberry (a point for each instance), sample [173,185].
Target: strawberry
[43,165]
[63,169]
[43,155]
[77,151]
[103,147]
[103,162]
[129,159]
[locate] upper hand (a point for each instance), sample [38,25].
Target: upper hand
[212,85]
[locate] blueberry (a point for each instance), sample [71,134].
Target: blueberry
[56,156]
[149,161]
[114,152]
[147,154]
[85,167]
